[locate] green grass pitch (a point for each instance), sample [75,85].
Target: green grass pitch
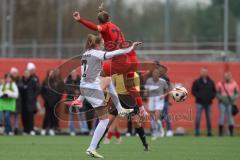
[73,148]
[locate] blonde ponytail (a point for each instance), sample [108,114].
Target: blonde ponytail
[92,41]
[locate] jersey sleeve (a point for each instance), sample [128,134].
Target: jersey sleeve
[89,24]
[109,55]
[100,54]
[103,28]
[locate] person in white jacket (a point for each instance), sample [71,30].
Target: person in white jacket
[8,95]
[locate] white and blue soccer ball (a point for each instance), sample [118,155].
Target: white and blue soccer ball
[179,94]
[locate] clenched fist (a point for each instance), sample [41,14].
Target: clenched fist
[76,16]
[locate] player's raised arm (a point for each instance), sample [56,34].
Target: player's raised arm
[109,55]
[88,24]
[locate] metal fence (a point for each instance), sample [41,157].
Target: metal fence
[204,51]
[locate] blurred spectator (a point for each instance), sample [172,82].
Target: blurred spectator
[90,115]
[51,96]
[72,83]
[204,92]
[8,96]
[29,98]
[227,93]
[165,112]
[1,120]
[156,87]
[17,79]
[1,123]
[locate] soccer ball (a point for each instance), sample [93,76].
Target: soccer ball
[179,94]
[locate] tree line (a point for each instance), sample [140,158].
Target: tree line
[37,20]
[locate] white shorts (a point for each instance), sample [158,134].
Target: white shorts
[155,103]
[95,97]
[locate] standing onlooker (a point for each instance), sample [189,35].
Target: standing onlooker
[8,96]
[1,124]
[90,114]
[73,83]
[165,112]
[227,93]
[155,88]
[51,97]
[29,98]
[204,92]
[1,120]
[17,79]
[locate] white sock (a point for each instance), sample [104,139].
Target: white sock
[98,133]
[114,97]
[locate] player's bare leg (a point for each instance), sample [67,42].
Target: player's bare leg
[106,83]
[156,124]
[159,123]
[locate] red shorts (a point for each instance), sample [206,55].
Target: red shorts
[121,65]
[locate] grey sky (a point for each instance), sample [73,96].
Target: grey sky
[139,4]
[188,3]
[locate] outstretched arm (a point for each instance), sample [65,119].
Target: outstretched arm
[88,24]
[109,55]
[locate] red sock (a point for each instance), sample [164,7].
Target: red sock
[139,101]
[109,135]
[117,134]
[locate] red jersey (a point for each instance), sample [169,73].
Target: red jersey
[111,33]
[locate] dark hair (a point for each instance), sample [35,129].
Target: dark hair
[103,17]
[92,41]
[8,75]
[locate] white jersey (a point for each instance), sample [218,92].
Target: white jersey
[155,90]
[91,67]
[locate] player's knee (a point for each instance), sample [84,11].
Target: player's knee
[105,82]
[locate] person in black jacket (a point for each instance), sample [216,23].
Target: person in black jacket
[72,85]
[204,92]
[51,93]
[30,93]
